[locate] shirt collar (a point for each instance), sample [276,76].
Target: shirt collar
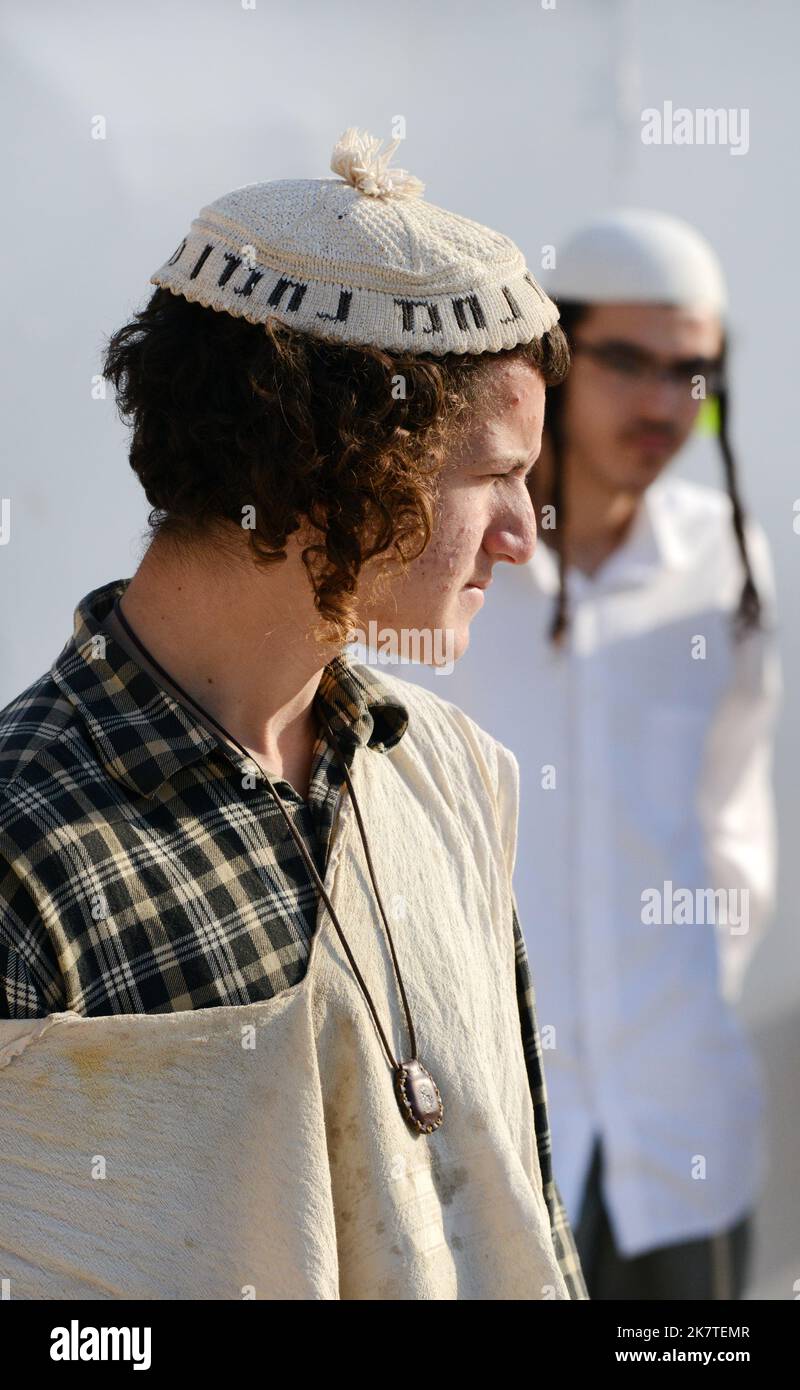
[654,542]
[145,736]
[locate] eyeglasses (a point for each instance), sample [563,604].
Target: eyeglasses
[633,366]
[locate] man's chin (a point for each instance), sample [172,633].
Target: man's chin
[442,644]
[645,466]
[438,645]
[453,642]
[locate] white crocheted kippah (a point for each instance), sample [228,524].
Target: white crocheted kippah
[360,259]
[639,255]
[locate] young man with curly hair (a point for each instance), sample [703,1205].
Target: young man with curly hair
[336,394]
[651,667]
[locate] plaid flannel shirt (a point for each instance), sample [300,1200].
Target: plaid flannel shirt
[120,802]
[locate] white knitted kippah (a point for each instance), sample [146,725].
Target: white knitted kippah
[635,254]
[360,259]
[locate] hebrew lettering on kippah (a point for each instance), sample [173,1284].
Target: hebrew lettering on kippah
[468,311]
[296,298]
[535,287]
[201,260]
[250,283]
[516,312]
[343,309]
[409,306]
[459,308]
[233,264]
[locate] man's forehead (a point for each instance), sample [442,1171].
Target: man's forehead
[513,376]
[516,390]
[657,327]
[511,435]
[508,420]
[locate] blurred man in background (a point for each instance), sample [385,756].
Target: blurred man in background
[631,666]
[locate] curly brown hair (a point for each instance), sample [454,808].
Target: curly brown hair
[229,416]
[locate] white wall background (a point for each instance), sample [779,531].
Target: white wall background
[522,117]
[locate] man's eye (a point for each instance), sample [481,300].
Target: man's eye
[624,362]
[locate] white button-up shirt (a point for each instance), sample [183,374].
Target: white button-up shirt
[645,760]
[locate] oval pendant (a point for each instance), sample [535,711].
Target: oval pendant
[418,1097]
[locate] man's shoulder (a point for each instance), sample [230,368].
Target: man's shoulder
[699,508]
[438,727]
[698,512]
[30,722]
[43,756]
[42,744]
[476,776]
[703,516]
[692,497]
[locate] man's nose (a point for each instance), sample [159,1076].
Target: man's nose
[514,538]
[661,400]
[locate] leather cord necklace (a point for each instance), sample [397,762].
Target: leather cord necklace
[416,1091]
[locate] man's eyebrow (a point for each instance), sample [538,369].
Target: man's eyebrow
[517,460]
[621,344]
[624,345]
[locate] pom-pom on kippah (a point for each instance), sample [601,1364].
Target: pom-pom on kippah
[356,156]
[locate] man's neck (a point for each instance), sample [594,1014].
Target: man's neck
[598,518]
[238,640]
